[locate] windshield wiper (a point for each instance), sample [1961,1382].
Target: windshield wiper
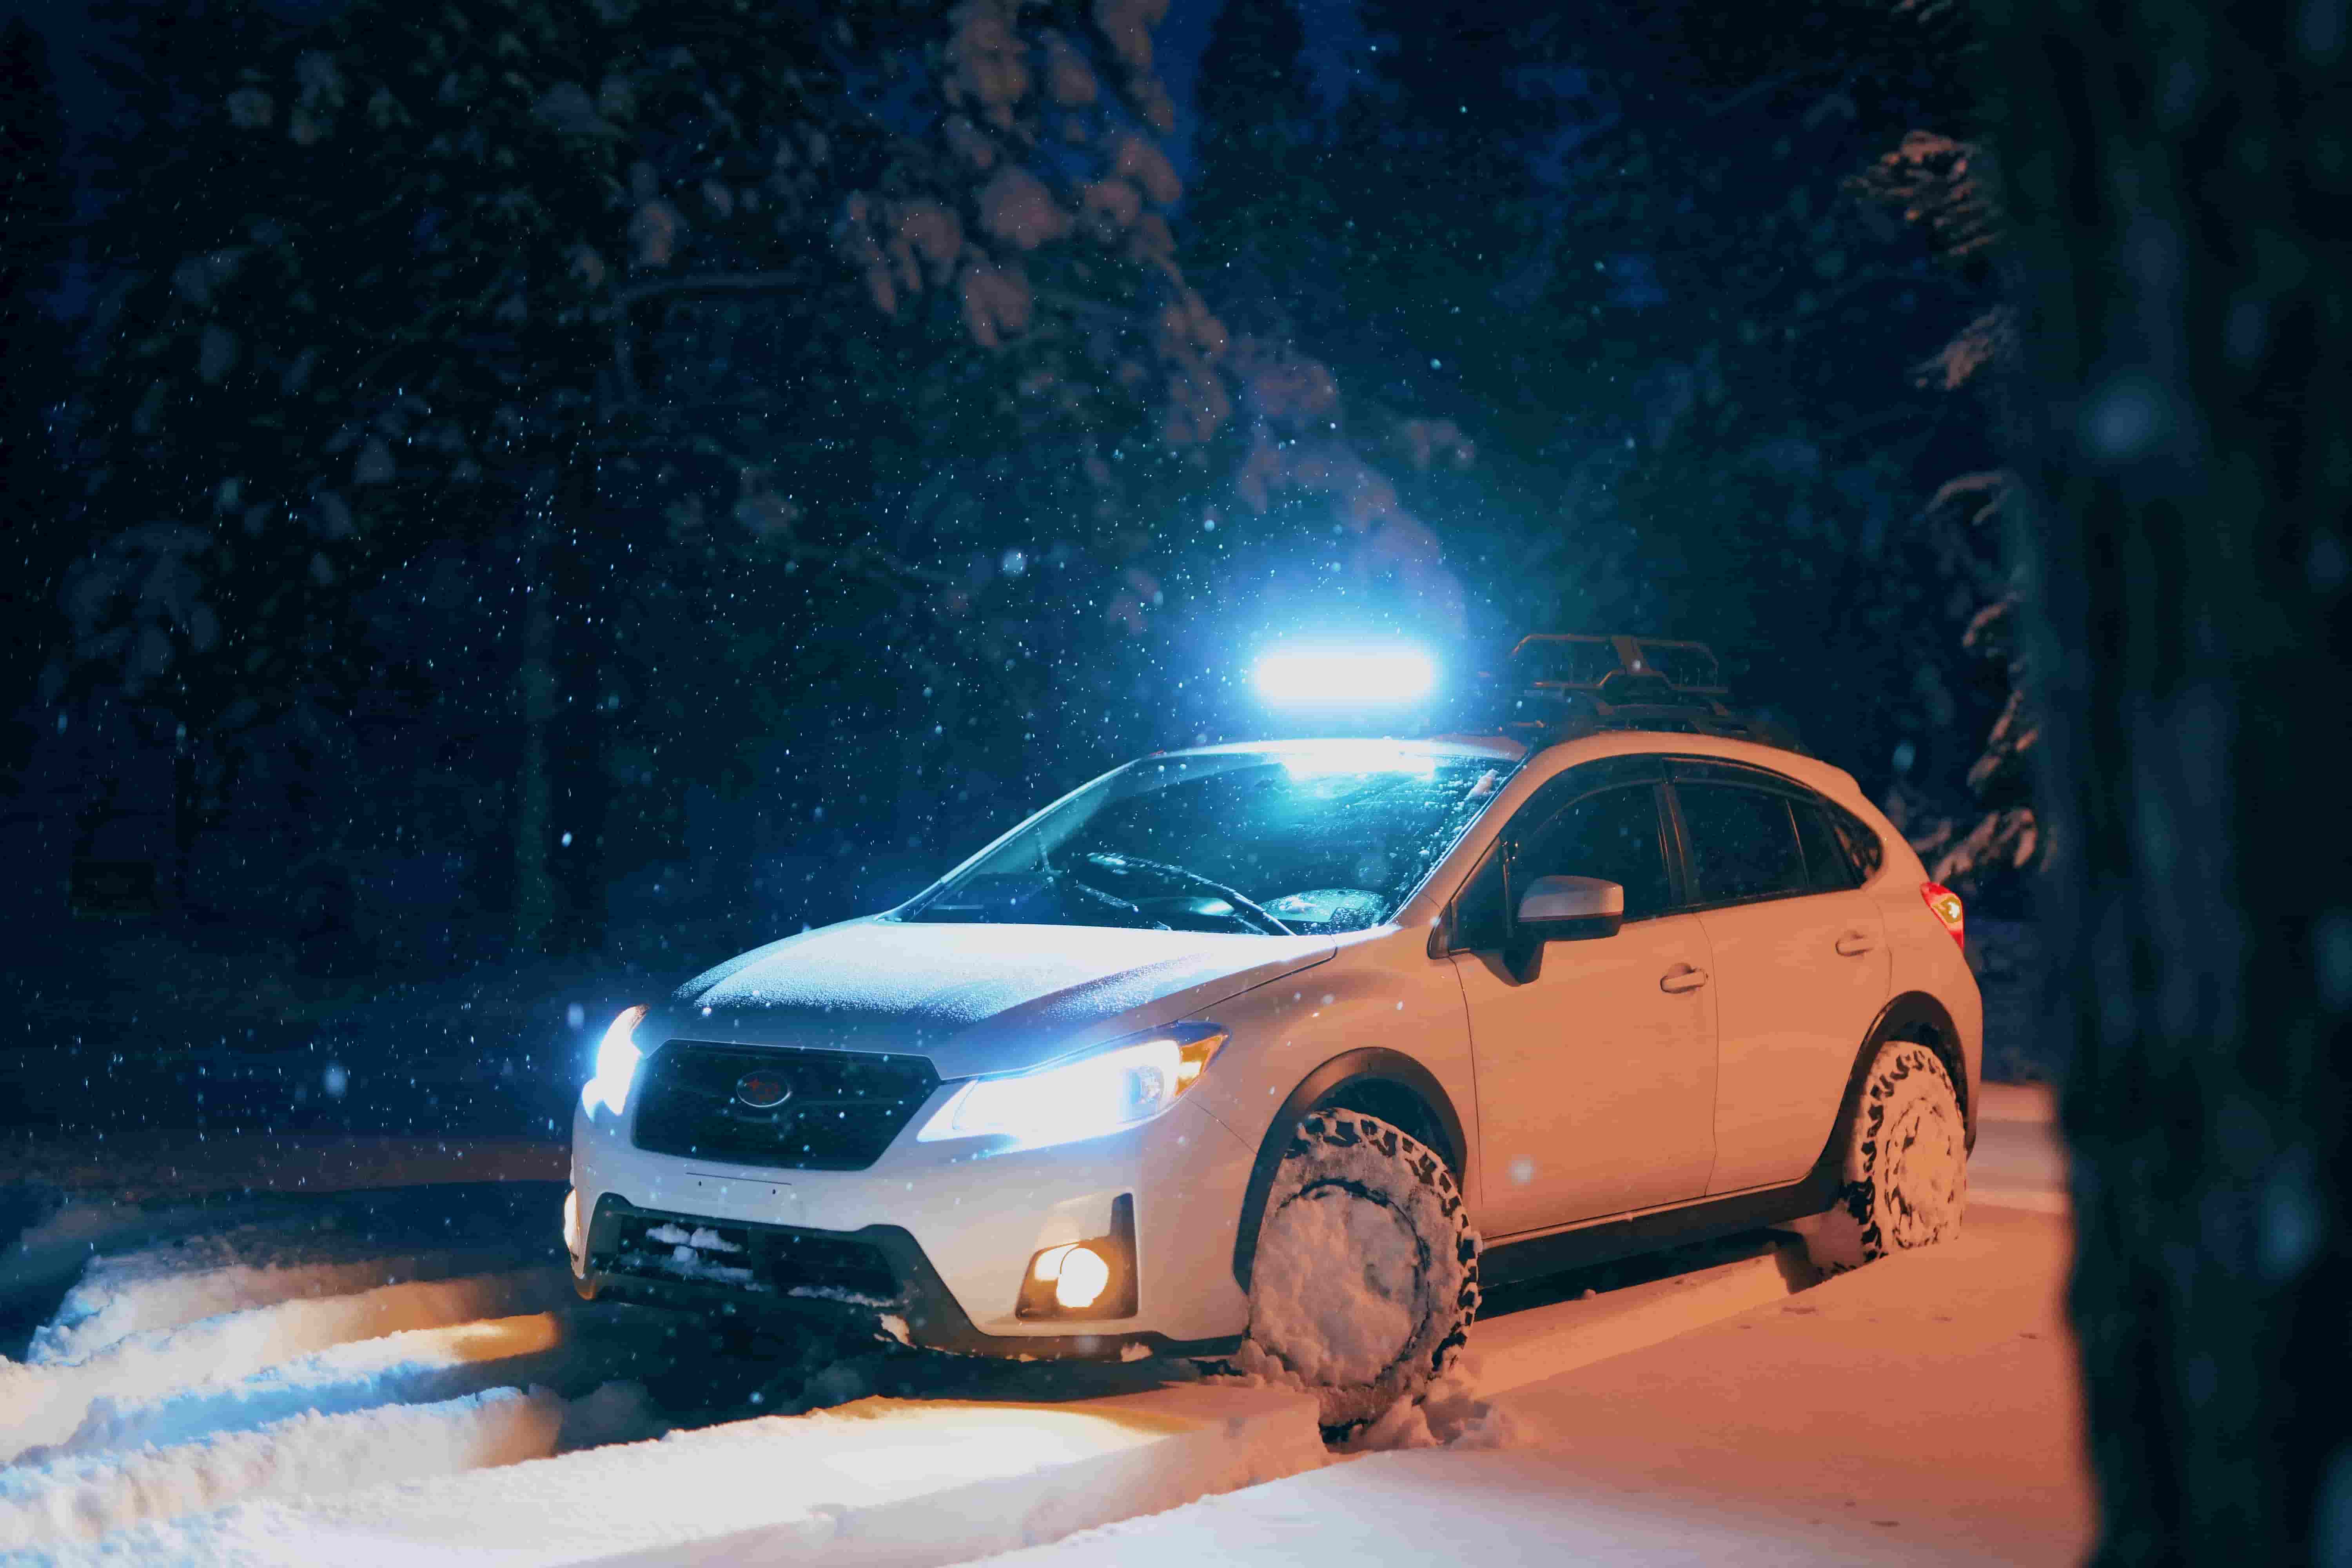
[1241,902]
[1113,899]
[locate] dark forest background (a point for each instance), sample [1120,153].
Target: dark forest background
[508,501]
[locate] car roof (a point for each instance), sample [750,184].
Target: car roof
[1499,747]
[1812,771]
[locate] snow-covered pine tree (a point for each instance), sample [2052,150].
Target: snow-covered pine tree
[1943,187]
[593,290]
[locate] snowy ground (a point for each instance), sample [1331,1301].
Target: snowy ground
[377,1377]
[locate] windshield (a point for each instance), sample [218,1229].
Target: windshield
[1303,840]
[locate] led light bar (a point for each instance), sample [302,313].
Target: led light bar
[1381,675]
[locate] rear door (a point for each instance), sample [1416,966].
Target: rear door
[1800,964]
[1596,1072]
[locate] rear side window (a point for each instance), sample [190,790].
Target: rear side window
[1743,843]
[1829,865]
[1861,841]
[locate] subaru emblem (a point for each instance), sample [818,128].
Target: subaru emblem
[762,1090]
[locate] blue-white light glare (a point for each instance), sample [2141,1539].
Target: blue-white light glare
[1379,677]
[617,1064]
[1329,758]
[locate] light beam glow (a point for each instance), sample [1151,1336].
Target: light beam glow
[1383,676]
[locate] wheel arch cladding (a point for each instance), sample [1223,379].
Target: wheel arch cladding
[1913,1016]
[1387,1084]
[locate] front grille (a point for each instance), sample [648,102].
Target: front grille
[843,1110]
[760,1259]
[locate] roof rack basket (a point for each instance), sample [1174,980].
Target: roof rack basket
[1564,684]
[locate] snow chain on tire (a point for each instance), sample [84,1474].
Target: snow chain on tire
[1365,1278]
[1905,1163]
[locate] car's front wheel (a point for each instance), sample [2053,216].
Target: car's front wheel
[1905,1163]
[1365,1278]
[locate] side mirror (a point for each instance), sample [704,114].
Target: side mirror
[1571,909]
[1562,909]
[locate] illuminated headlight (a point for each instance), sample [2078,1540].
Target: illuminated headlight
[617,1064]
[1117,1086]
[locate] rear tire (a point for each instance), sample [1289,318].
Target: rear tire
[1905,1163]
[1365,1278]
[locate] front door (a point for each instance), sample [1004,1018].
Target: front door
[1596,1070]
[1800,970]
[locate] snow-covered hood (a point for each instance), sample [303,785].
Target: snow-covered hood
[972,998]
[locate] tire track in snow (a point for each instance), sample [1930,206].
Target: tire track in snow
[414,1366]
[883,1483]
[41,1406]
[78,1500]
[117,1298]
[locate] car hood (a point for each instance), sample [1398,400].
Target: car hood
[972,998]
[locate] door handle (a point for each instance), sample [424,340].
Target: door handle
[1854,943]
[1682,978]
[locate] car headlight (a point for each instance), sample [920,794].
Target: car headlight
[616,1063]
[1120,1084]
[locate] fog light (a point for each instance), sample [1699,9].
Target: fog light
[1089,1278]
[571,1222]
[1082,1279]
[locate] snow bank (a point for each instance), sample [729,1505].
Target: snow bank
[41,1405]
[882,1483]
[81,1497]
[1451,1415]
[1528,1346]
[416,1366]
[1800,1433]
[119,1297]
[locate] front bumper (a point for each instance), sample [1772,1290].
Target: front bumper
[931,1242]
[914,1307]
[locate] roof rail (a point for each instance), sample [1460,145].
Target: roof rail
[1560,685]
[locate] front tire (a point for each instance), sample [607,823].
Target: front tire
[1365,1278]
[1905,1163]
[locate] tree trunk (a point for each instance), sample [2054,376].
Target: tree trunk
[534,878]
[2178,176]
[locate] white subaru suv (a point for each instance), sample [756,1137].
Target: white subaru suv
[1291,1045]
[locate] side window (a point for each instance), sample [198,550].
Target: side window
[1743,843]
[1613,836]
[1860,838]
[1829,866]
[1481,923]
